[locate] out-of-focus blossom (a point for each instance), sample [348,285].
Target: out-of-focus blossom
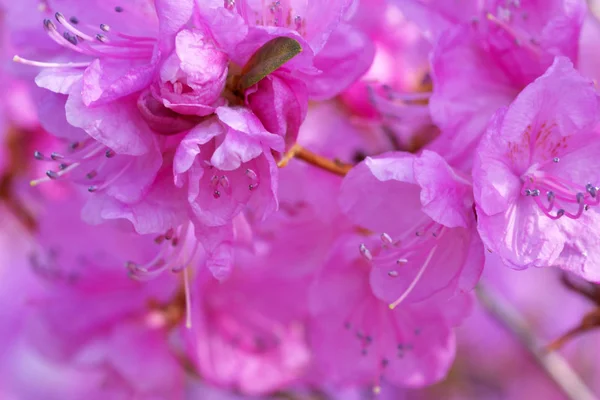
[359,340]
[318,184]
[87,314]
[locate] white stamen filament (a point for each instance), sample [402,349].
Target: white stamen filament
[415,281]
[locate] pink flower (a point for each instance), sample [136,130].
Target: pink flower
[145,85]
[248,332]
[226,163]
[535,175]
[481,65]
[193,76]
[423,210]
[114,125]
[332,54]
[392,97]
[358,340]
[114,324]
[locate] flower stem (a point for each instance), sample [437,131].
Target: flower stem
[335,166]
[553,365]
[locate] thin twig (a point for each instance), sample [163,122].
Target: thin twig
[553,364]
[317,160]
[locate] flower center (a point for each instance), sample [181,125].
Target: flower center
[178,248]
[393,255]
[514,22]
[278,13]
[558,197]
[220,184]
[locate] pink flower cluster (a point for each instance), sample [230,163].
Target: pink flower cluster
[262,199]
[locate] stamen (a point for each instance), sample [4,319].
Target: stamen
[365,252]
[53,175]
[60,39]
[169,256]
[592,190]
[112,180]
[72,29]
[101,38]
[413,284]
[188,301]
[251,174]
[188,260]
[71,38]
[386,239]
[224,182]
[558,193]
[519,40]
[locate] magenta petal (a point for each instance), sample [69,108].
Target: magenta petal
[172,16]
[51,114]
[236,148]
[323,18]
[227,28]
[281,104]
[162,208]
[454,263]
[522,236]
[134,183]
[191,144]
[538,102]
[118,124]
[469,86]
[381,194]
[243,120]
[217,241]
[445,195]
[106,81]
[580,254]
[347,55]
[351,341]
[58,80]
[495,184]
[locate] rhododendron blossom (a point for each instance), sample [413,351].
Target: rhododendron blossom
[299,199]
[534,176]
[434,248]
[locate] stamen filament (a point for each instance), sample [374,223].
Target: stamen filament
[42,64]
[413,284]
[63,21]
[188,300]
